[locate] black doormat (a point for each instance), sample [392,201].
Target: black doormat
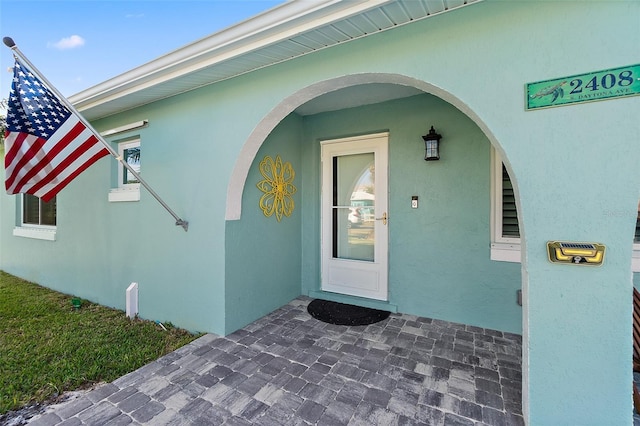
[342,314]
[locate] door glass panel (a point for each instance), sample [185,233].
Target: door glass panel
[353,207]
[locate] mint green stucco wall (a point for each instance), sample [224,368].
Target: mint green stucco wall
[263,255]
[439,259]
[576,320]
[483,71]
[102,247]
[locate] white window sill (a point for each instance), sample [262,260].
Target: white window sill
[505,252]
[48,234]
[124,194]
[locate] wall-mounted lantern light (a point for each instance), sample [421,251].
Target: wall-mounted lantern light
[432,145]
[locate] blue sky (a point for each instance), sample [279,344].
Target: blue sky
[78,44]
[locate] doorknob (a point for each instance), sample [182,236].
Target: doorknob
[383,218]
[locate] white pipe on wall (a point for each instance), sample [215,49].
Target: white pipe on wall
[132,301]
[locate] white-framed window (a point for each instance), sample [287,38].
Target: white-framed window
[37,218]
[128,188]
[505,234]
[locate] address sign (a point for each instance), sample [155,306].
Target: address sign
[593,86]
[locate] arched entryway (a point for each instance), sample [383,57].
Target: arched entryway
[304,95]
[446,202]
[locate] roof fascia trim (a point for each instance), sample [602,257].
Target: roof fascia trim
[272,26]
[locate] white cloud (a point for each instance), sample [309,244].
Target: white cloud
[134,15]
[68,42]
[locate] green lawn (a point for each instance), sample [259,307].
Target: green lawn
[47,347]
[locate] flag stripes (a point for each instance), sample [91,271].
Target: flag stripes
[47,145]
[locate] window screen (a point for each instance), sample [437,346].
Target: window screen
[509,212]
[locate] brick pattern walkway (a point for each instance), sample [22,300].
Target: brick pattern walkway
[290,369]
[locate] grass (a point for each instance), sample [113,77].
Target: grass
[47,347]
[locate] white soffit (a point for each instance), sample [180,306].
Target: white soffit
[293,29]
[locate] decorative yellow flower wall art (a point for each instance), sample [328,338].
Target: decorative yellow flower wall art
[277,187]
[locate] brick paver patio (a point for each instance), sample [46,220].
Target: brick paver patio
[291,369]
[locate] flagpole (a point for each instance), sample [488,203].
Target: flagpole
[8,41]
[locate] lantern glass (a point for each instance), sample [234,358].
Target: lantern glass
[432,150]
[432,145]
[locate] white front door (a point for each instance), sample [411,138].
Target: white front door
[354,216]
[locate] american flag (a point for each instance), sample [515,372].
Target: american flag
[47,145]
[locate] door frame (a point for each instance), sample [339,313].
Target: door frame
[334,271]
